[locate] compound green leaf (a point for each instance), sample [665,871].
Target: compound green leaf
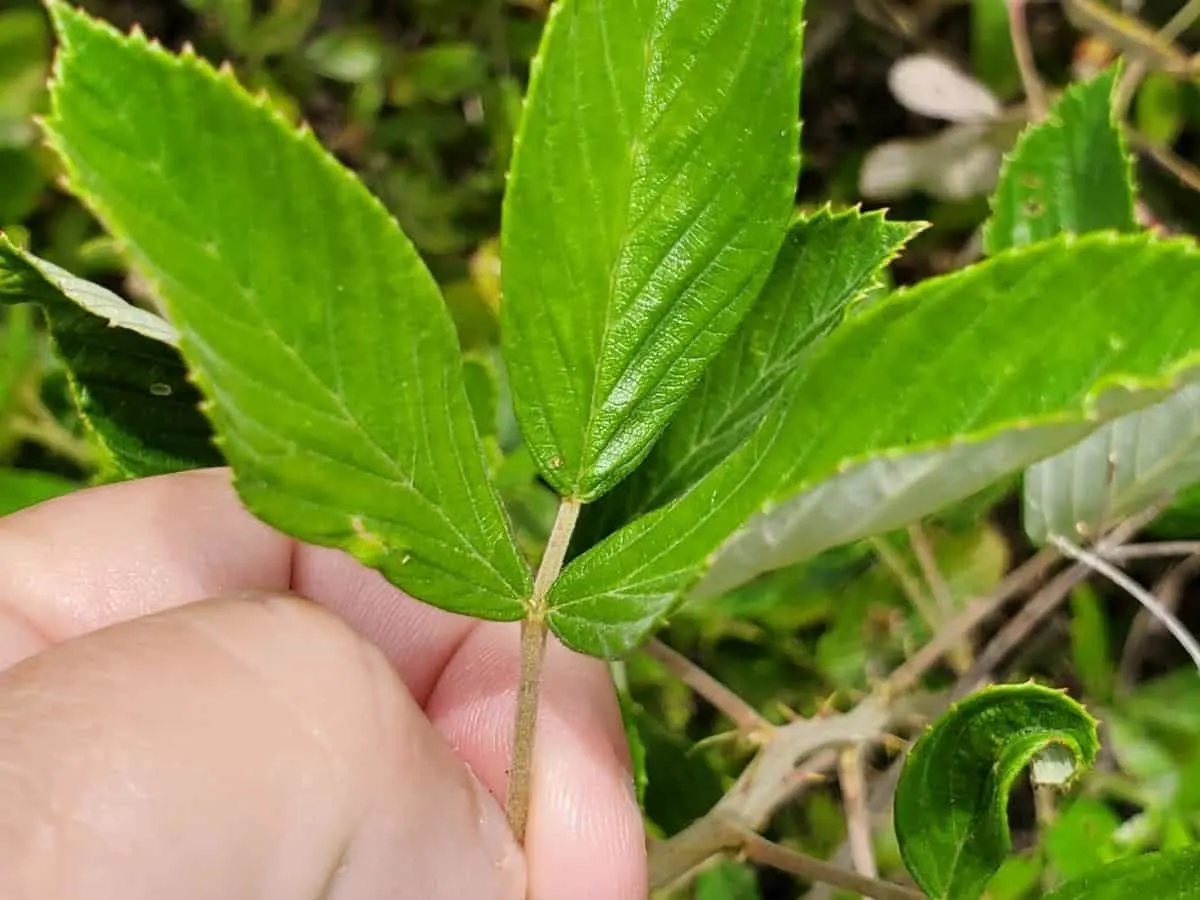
[1173,875]
[951,807]
[329,362]
[651,188]
[923,399]
[127,377]
[828,261]
[1070,173]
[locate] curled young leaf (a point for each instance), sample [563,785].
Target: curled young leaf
[951,807]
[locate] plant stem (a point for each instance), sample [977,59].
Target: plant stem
[1035,92]
[858,817]
[533,652]
[760,850]
[742,714]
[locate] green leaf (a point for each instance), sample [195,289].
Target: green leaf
[923,399]
[1070,173]
[329,361]
[1080,840]
[1163,876]
[951,808]
[1120,469]
[828,262]
[651,188]
[728,880]
[127,378]
[21,488]
[18,349]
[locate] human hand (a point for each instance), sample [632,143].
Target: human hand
[253,746]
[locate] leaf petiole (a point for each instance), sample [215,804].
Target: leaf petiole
[533,652]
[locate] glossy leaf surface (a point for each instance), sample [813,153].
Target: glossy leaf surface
[951,807]
[923,399]
[828,261]
[330,364]
[651,187]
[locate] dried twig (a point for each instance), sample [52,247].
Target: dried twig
[1154,549]
[1135,590]
[742,714]
[909,583]
[1168,589]
[1035,91]
[1042,604]
[763,785]
[858,817]
[760,850]
[1019,580]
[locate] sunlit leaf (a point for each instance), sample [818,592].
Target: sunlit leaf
[828,262]
[1070,173]
[652,183]
[923,399]
[330,364]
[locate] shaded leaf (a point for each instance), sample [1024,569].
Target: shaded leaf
[318,336]
[1090,646]
[651,187]
[921,400]
[1070,173]
[951,807]
[1163,876]
[828,261]
[1080,839]
[127,377]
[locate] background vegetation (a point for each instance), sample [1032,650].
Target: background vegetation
[421,97]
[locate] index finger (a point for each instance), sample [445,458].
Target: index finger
[119,552]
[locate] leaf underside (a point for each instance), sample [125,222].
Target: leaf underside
[925,398]
[329,363]
[951,807]
[651,187]
[128,379]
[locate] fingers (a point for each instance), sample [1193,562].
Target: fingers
[235,749]
[585,839]
[113,553]
[110,554]
[107,555]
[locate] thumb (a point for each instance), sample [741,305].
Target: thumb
[235,748]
